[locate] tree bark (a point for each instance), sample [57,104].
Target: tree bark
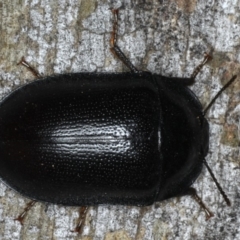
[164,37]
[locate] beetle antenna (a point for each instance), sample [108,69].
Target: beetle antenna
[219,93]
[204,161]
[217,183]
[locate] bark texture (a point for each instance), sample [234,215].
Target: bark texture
[165,37]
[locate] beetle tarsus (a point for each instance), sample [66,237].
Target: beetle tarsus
[22,216]
[82,217]
[193,193]
[114,47]
[29,67]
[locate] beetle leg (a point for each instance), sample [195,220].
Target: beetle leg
[190,81]
[113,43]
[193,193]
[82,217]
[206,59]
[22,216]
[29,67]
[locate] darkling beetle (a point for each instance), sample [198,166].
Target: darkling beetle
[82,139]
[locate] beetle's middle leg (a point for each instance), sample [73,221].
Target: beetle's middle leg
[113,44]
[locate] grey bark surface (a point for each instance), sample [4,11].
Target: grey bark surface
[164,37]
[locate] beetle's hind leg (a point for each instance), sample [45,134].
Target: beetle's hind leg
[29,67]
[113,43]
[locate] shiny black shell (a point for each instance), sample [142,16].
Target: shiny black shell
[88,138]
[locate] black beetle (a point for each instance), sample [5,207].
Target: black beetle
[89,138]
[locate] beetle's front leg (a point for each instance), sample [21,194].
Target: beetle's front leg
[207,58]
[190,81]
[113,43]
